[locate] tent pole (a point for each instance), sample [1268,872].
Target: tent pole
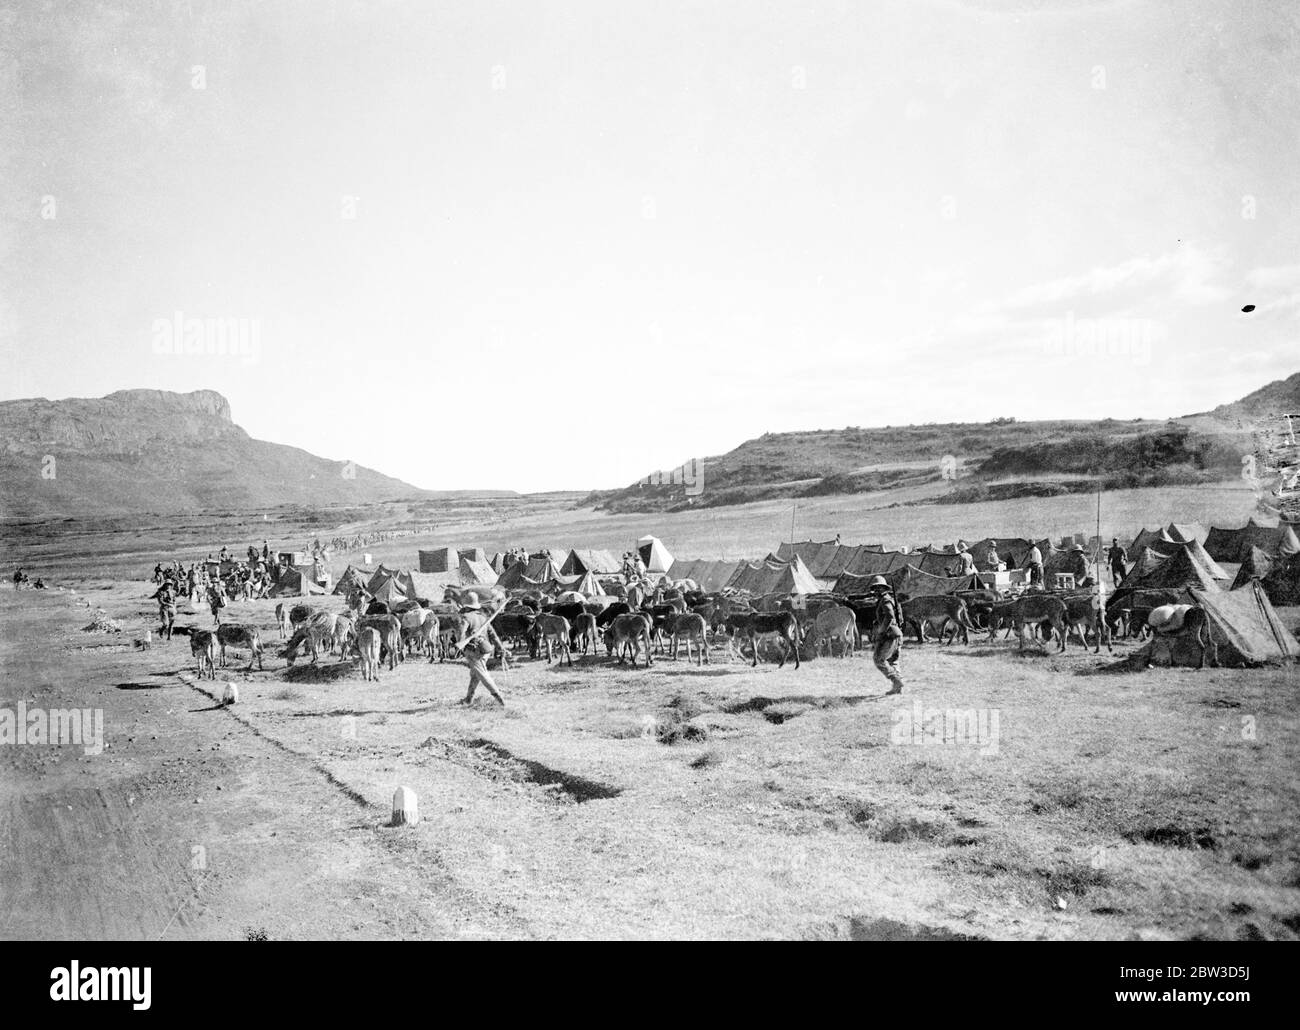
[793,508]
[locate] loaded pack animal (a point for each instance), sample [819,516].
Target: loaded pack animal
[1127,610]
[1173,625]
[232,634]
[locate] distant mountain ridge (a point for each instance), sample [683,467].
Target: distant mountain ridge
[158,451]
[930,458]
[1282,396]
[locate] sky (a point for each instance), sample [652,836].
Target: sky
[542,245]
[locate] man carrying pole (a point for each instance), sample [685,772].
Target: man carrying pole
[477,642]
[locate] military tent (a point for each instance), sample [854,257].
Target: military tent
[818,556]
[295,583]
[390,591]
[351,579]
[381,574]
[1180,570]
[473,572]
[654,554]
[1196,550]
[1142,564]
[1246,627]
[773,577]
[498,562]
[709,575]
[583,560]
[443,559]
[1257,565]
[426,586]
[534,574]
[1055,559]
[910,581]
[1146,537]
[1234,545]
[875,563]
[1012,551]
[1186,532]
[1282,584]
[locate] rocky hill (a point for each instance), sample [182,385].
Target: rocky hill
[155,451]
[1015,458]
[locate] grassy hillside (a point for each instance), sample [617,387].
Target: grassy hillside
[1043,458]
[153,451]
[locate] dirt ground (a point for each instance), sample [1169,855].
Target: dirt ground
[673,802]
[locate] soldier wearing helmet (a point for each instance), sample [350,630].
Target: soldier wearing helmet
[888,634]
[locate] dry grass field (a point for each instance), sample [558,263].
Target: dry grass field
[1057,800]
[1039,796]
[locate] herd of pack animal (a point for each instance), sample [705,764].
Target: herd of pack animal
[639,626]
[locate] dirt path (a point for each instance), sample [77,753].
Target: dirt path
[189,823]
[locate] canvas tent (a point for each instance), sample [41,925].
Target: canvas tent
[351,579]
[1196,550]
[1257,565]
[908,580]
[389,591]
[1012,551]
[1142,564]
[1234,545]
[536,573]
[1246,627]
[1178,571]
[443,559]
[473,572]
[709,575]
[1186,532]
[1146,537]
[654,554]
[380,575]
[876,563]
[773,577]
[425,585]
[818,556]
[1282,584]
[580,560]
[295,583]
[498,562]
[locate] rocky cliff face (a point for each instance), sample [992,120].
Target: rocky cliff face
[152,450]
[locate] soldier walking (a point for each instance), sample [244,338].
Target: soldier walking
[888,633]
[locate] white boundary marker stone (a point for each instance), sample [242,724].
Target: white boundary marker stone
[230,695]
[406,807]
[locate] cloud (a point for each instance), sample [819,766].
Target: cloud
[1274,277]
[1187,275]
